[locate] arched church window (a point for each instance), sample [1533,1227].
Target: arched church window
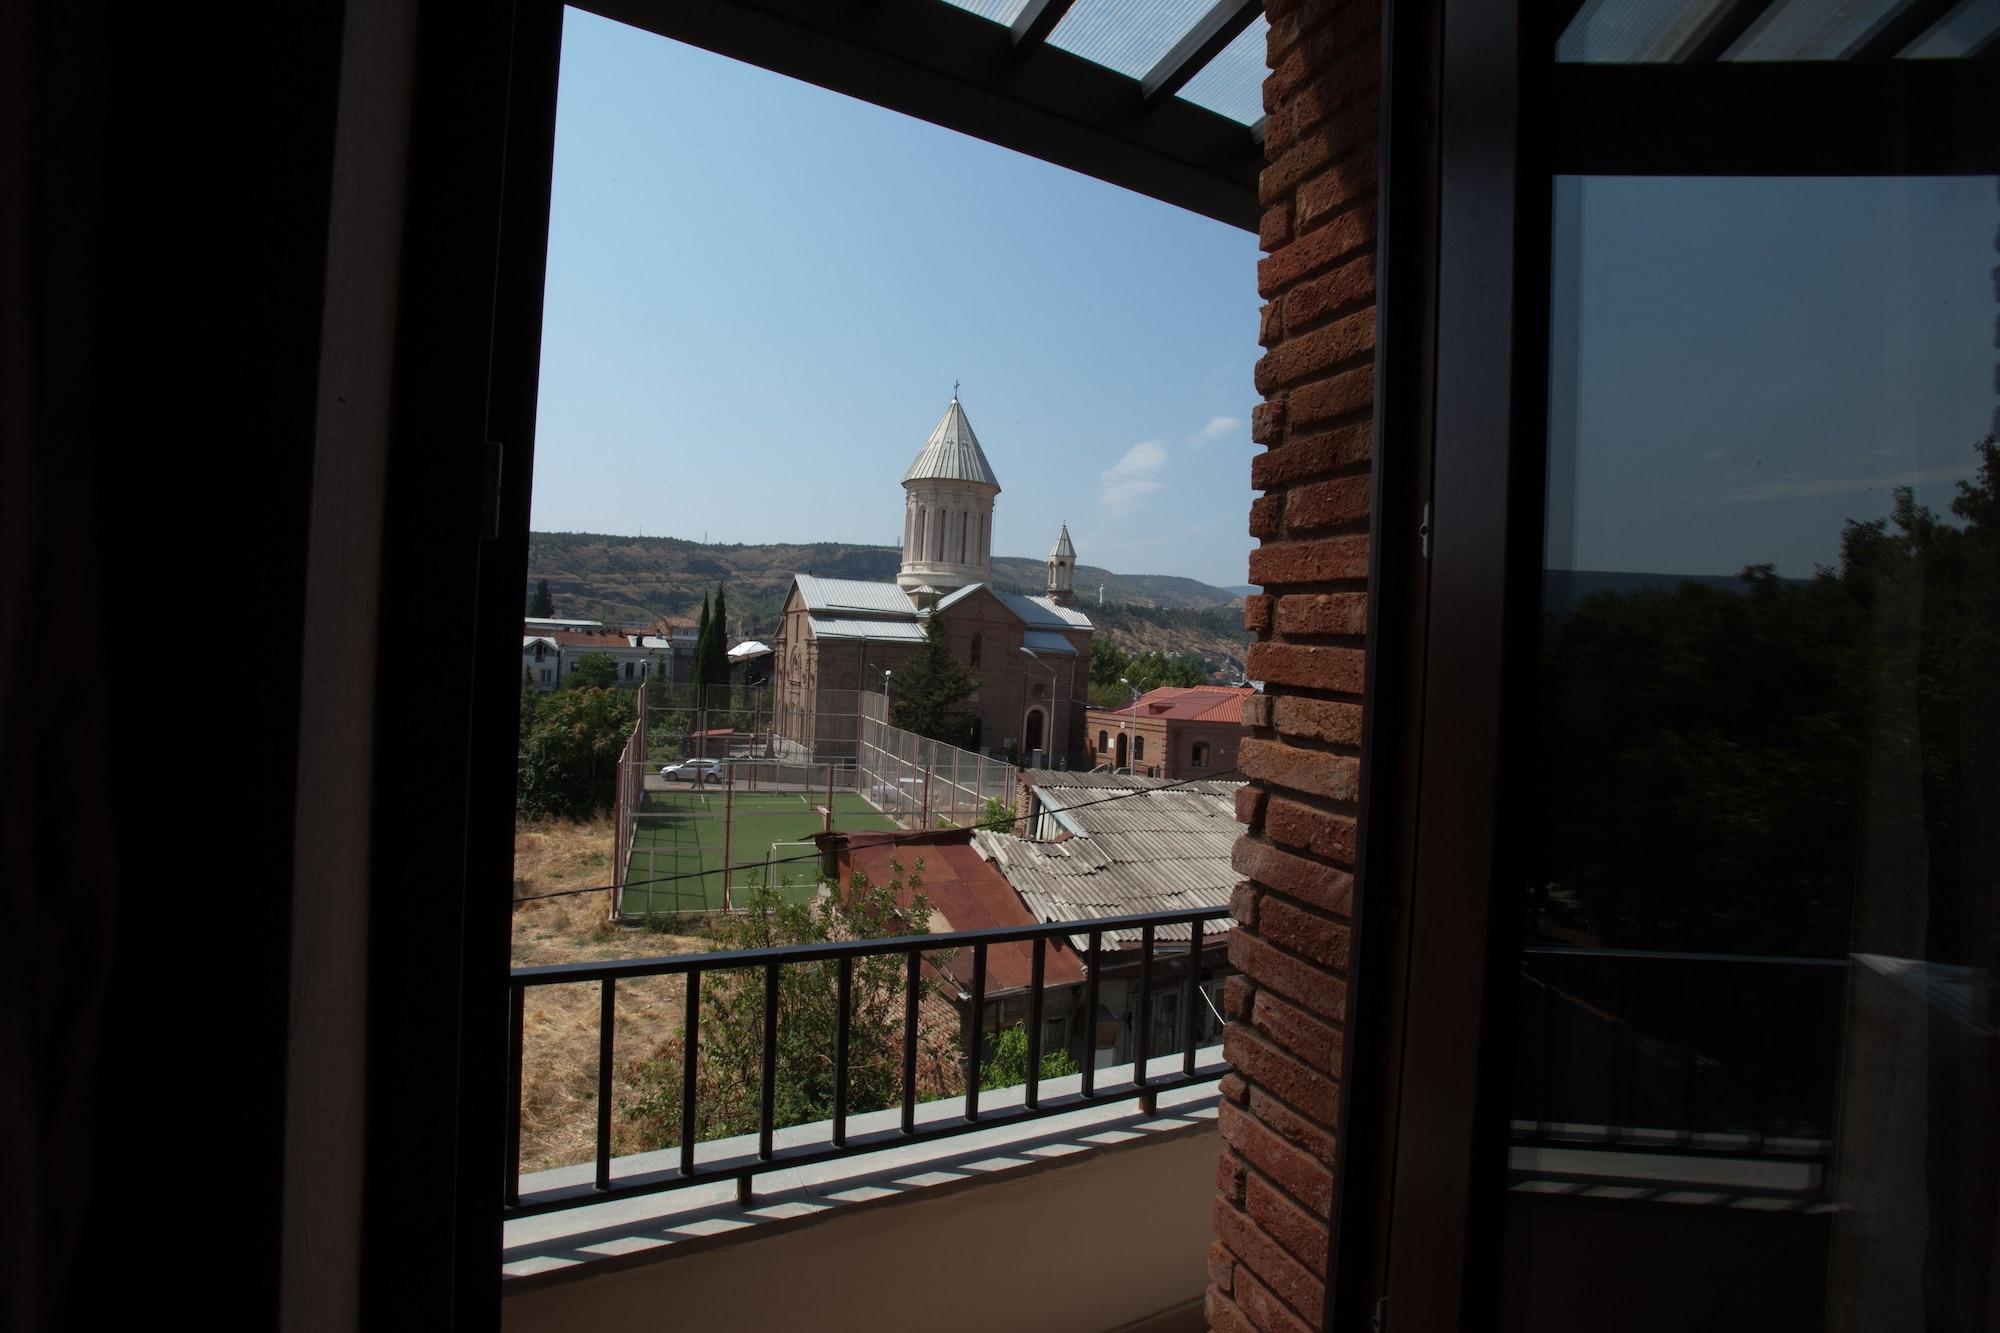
[964,533]
[1138,748]
[975,648]
[1103,741]
[920,535]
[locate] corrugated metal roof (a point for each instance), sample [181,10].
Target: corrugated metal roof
[1047,641]
[1062,550]
[1040,611]
[843,627]
[952,453]
[959,596]
[1164,851]
[853,595]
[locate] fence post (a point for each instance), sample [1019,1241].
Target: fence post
[728,804]
[924,820]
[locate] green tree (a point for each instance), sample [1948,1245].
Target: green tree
[1006,1061]
[717,671]
[543,604]
[569,762]
[531,698]
[1107,662]
[698,669]
[729,1070]
[592,671]
[931,692]
[998,816]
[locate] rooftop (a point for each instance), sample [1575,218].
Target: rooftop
[952,453]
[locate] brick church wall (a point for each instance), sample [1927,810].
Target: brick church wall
[1287,1010]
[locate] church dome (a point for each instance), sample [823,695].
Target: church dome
[952,453]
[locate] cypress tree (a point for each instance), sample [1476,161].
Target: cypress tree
[544,603]
[718,643]
[699,673]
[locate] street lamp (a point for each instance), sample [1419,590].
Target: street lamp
[1132,733]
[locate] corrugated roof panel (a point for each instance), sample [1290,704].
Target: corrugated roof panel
[1967,28]
[1040,611]
[1232,84]
[1129,36]
[853,595]
[1003,12]
[952,453]
[841,627]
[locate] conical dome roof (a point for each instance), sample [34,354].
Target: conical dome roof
[952,453]
[1062,550]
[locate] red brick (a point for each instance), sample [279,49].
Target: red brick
[1320,885]
[1315,1141]
[1323,613]
[1320,503]
[1319,719]
[1330,61]
[1293,21]
[1290,164]
[1221,1264]
[1348,183]
[1250,806]
[1323,560]
[1256,613]
[1355,123]
[1229,1175]
[1237,993]
[1267,514]
[1309,252]
[1266,1260]
[1275,227]
[1293,1029]
[1311,1093]
[1223,1316]
[1319,831]
[1290,1225]
[1351,286]
[1314,456]
[1302,932]
[1303,983]
[1343,395]
[1317,352]
[1296,1172]
[1263,1310]
[1311,666]
[1267,421]
[1271,324]
[1337,777]
[1243,905]
[1233,1087]
[1257,710]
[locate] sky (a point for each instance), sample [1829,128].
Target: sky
[761,293]
[1741,365]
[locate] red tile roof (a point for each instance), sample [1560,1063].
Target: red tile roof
[574,638]
[1193,703]
[970,894]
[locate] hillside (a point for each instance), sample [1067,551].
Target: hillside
[637,579]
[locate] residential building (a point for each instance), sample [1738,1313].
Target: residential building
[1029,655]
[1535,1027]
[548,656]
[1170,732]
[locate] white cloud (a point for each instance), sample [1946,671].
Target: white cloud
[1218,428]
[1121,486]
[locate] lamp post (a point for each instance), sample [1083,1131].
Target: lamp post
[1132,732]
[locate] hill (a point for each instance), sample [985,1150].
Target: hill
[636,579]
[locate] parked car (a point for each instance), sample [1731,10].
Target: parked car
[693,770]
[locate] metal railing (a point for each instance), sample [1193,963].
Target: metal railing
[743,1168]
[1678,1053]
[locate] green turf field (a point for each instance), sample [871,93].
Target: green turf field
[678,844]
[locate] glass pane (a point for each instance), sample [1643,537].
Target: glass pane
[1966,30]
[1636,31]
[1000,11]
[1758,1035]
[1232,84]
[1129,36]
[1814,29]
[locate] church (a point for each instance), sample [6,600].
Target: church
[843,638]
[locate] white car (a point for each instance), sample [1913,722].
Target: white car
[693,770]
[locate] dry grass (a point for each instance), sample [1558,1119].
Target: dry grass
[559,1041]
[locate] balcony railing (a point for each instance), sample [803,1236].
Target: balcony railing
[1144,1083]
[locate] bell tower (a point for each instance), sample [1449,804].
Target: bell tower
[948,509]
[1062,569]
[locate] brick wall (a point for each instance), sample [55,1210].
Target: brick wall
[1287,1011]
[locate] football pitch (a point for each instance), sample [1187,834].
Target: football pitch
[678,851]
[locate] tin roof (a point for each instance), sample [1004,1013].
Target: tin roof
[1041,612]
[853,595]
[1166,850]
[846,627]
[1062,550]
[952,453]
[1047,641]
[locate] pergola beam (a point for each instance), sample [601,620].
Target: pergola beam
[1220,26]
[1037,19]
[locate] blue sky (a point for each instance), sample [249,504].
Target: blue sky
[760,294]
[1741,365]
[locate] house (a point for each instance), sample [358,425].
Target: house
[1170,732]
[1402,1144]
[549,655]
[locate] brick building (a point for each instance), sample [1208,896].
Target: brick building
[840,638]
[1172,732]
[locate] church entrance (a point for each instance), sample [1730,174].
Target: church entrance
[1034,731]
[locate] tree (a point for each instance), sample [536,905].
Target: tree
[544,603]
[998,816]
[717,670]
[531,698]
[1006,1062]
[592,671]
[931,692]
[698,669]
[569,763]
[729,1069]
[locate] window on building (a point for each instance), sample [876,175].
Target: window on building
[1200,759]
[1138,748]
[976,643]
[1103,741]
[628,671]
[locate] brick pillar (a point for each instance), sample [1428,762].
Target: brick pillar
[1288,1009]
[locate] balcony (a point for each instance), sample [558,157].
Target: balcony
[1075,1202]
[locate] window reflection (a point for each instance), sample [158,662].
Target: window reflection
[1760,914]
